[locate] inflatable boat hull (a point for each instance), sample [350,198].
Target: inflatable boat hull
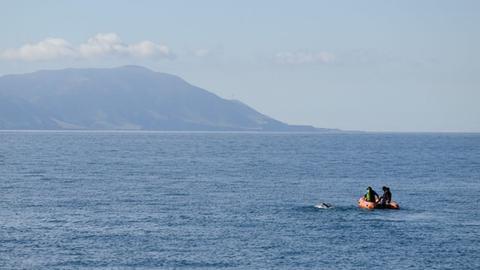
[362,203]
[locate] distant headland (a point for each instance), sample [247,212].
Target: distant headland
[123,98]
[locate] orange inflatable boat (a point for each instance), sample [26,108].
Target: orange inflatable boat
[362,203]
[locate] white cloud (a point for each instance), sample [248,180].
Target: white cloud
[111,44]
[49,48]
[100,45]
[201,52]
[298,58]
[148,48]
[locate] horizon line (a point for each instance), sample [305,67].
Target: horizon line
[330,131]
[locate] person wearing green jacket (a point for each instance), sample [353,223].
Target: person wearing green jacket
[371,195]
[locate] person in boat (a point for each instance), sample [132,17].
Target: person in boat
[371,195]
[386,197]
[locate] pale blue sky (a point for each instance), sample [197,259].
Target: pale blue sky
[359,65]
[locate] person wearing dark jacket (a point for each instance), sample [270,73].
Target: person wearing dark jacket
[371,195]
[386,197]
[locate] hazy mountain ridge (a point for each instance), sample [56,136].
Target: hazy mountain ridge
[129,97]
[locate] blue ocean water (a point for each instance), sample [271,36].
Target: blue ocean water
[145,200]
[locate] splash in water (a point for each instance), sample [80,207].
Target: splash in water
[323,205]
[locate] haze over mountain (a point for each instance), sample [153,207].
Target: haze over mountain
[124,98]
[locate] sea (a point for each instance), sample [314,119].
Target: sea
[173,200]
